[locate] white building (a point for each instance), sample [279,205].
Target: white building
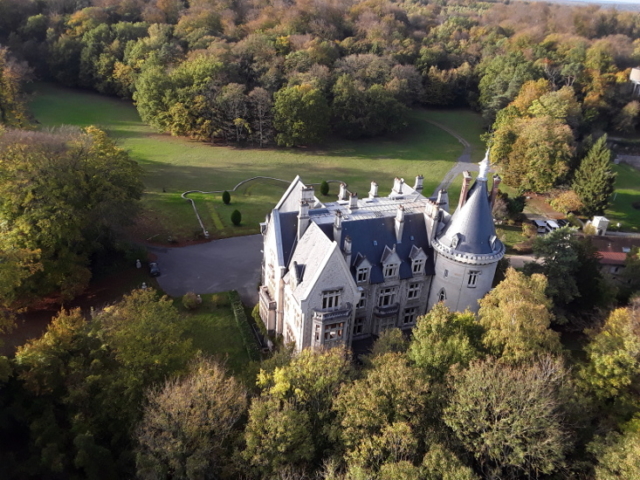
[345,270]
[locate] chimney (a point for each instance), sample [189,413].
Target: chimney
[353,201]
[494,190]
[373,193]
[399,223]
[432,217]
[307,194]
[443,200]
[347,250]
[337,227]
[343,191]
[397,185]
[418,185]
[466,183]
[303,218]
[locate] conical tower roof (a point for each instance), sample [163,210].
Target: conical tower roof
[471,229]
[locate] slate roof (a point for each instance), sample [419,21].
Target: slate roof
[369,237]
[473,222]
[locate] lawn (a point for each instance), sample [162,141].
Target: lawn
[214,331]
[173,165]
[627,192]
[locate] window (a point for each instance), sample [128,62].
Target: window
[418,266]
[409,315]
[473,278]
[333,331]
[446,273]
[386,323]
[362,303]
[363,274]
[391,270]
[387,297]
[358,325]
[330,299]
[317,334]
[442,295]
[414,290]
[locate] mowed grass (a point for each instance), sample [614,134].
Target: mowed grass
[174,165]
[214,331]
[627,192]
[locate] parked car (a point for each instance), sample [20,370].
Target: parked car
[541,226]
[154,270]
[552,225]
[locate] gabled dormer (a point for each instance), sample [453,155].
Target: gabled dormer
[418,260]
[390,262]
[362,268]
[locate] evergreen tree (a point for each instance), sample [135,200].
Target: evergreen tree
[594,180]
[236,217]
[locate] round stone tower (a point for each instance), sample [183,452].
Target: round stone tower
[467,250]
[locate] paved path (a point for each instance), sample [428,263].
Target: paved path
[218,266]
[463,163]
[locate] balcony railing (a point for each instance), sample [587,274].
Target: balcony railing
[333,313]
[387,310]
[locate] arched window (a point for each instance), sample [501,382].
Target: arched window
[442,295]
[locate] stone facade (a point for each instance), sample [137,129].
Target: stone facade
[350,269]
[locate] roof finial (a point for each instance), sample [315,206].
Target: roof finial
[484,167]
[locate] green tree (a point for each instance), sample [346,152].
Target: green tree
[226,197]
[443,338]
[631,274]
[382,414]
[510,418]
[188,424]
[618,454]
[516,317]
[594,180]
[613,366]
[64,197]
[13,108]
[324,188]
[301,115]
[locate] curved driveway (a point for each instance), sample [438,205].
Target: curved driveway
[217,266]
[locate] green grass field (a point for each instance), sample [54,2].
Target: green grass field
[173,165]
[214,331]
[627,192]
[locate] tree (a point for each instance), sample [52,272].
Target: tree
[613,354]
[510,418]
[236,217]
[13,108]
[261,106]
[324,188]
[226,197]
[631,274]
[516,317]
[277,435]
[627,120]
[188,422]
[594,180]
[385,409]
[443,338]
[618,454]
[64,197]
[301,115]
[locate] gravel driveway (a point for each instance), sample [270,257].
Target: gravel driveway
[218,266]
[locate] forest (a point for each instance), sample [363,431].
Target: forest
[542,383]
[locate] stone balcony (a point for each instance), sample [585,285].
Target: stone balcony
[331,314]
[387,310]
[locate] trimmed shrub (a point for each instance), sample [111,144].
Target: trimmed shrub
[236,217]
[190,301]
[226,197]
[324,188]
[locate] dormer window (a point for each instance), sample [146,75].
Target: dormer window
[362,274]
[418,266]
[442,295]
[391,270]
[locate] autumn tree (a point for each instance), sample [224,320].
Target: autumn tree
[188,423]
[443,338]
[511,418]
[594,180]
[13,108]
[516,317]
[64,196]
